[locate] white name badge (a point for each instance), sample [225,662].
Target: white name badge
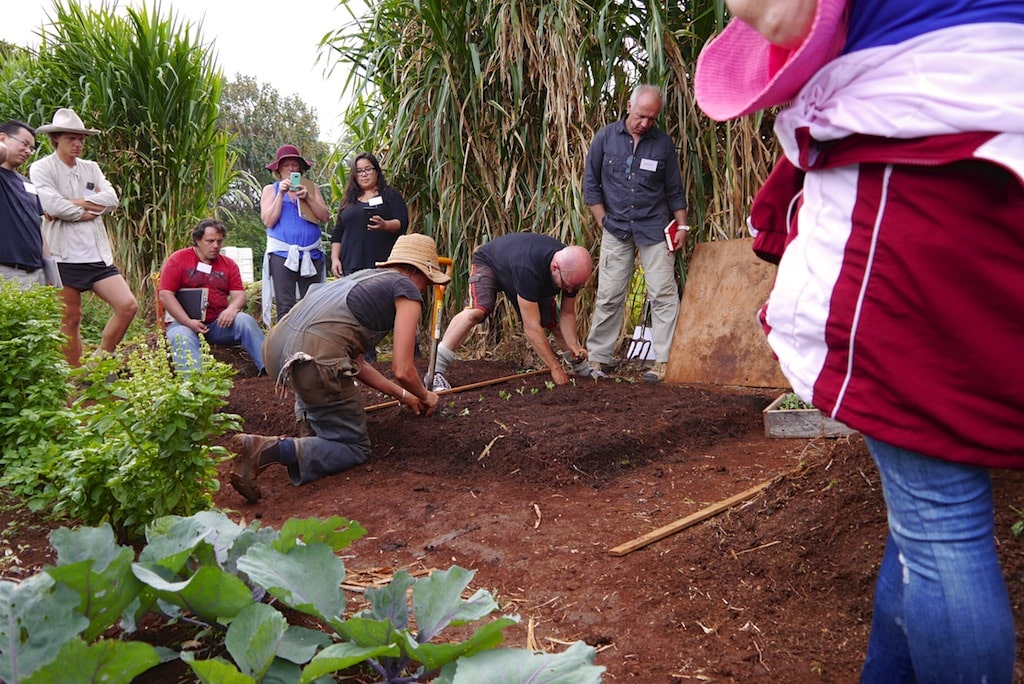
[648,164]
[204,267]
[375,201]
[29,188]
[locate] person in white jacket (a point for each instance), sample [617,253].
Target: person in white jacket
[75,196]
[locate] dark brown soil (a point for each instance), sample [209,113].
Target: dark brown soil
[532,486]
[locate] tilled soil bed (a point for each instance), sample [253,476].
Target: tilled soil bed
[532,486]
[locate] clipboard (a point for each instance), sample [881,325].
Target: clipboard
[194,300]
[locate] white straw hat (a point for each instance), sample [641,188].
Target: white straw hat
[66,121]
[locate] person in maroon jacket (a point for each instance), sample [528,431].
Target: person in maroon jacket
[895,218]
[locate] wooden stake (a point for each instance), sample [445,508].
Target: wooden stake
[683,523]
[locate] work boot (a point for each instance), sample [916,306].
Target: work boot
[253,454]
[655,373]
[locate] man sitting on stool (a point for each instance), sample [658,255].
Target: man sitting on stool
[203,266]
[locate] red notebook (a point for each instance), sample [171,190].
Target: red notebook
[670,235]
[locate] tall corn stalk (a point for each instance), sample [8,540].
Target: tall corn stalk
[483,111]
[151,86]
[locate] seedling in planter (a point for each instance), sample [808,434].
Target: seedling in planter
[550,385]
[793,403]
[504,395]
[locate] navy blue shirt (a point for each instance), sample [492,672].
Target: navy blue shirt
[21,238]
[522,264]
[640,188]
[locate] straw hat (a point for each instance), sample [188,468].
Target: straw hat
[66,121]
[420,251]
[286,151]
[740,72]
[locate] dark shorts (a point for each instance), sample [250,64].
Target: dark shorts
[483,294]
[82,277]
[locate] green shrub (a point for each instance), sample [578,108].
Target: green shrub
[143,447]
[34,391]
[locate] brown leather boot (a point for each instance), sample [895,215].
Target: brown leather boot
[253,456]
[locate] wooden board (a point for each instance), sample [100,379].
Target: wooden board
[718,340]
[683,523]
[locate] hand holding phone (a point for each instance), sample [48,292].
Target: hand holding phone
[369,213]
[296,180]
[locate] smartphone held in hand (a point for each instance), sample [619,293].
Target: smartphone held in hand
[296,179]
[369,213]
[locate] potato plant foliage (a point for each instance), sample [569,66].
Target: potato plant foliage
[228,579]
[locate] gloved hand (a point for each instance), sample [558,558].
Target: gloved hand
[579,364]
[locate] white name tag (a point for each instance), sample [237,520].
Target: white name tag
[648,164]
[29,188]
[376,201]
[204,267]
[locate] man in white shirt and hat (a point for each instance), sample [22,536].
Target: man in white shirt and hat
[75,196]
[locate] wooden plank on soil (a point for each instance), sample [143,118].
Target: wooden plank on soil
[692,519]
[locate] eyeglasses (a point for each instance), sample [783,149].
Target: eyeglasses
[366,171]
[560,282]
[30,146]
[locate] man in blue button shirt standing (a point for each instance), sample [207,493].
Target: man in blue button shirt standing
[23,249]
[633,187]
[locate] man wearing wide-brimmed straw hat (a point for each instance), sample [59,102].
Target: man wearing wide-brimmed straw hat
[318,349]
[75,196]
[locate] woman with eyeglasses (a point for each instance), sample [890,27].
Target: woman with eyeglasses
[372,216]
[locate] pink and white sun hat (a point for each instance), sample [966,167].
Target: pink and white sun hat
[740,72]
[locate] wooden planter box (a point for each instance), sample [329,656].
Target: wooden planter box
[779,422]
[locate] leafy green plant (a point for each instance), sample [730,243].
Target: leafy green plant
[34,393]
[549,384]
[215,573]
[504,395]
[792,402]
[142,448]
[1018,525]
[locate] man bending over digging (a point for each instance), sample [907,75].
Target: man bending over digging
[531,269]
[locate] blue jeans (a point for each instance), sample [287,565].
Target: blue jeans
[942,612]
[244,332]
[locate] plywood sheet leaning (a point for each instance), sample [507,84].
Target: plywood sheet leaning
[718,340]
